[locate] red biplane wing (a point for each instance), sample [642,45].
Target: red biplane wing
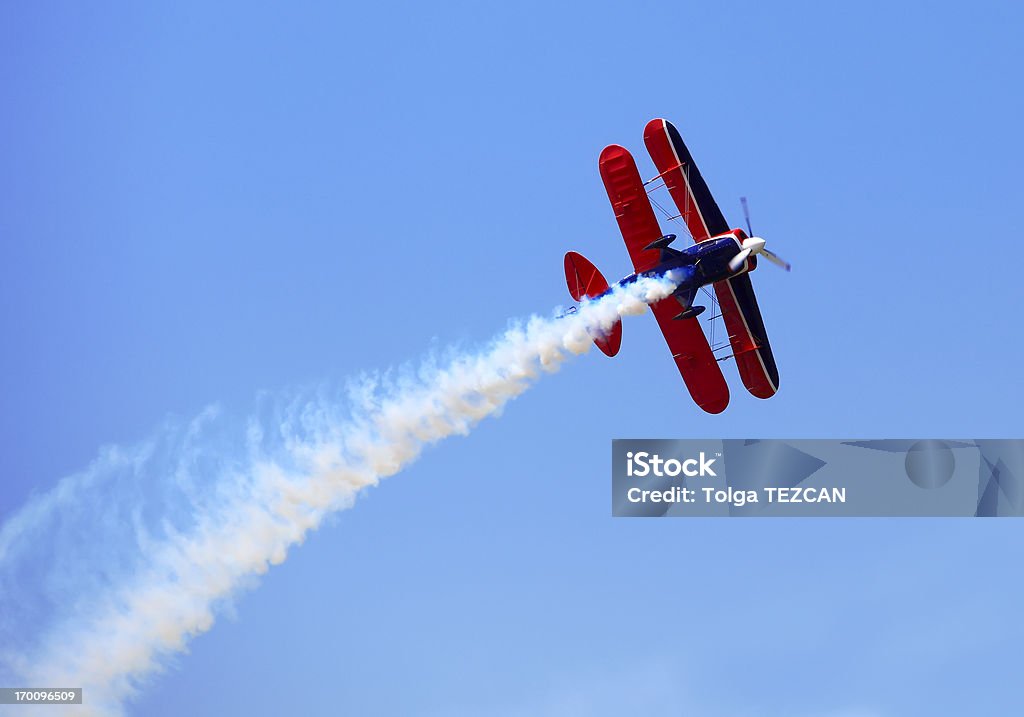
[692,354]
[686,185]
[704,219]
[700,371]
[633,211]
[747,336]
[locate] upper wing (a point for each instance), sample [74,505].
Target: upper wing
[747,335]
[686,185]
[639,226]
[633,211]
[704,219]
[701,372]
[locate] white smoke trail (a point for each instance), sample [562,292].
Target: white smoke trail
[110,626]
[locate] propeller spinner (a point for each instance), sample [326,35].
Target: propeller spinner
[754,245]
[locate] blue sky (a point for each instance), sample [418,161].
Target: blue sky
[197,204]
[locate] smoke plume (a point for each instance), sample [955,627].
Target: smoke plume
[119,566]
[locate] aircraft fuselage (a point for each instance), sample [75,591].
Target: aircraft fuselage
[699,265]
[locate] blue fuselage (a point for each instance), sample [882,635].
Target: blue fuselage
[699,265]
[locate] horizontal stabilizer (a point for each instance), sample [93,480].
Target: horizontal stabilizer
[586,282]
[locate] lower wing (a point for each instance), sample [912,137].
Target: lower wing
[693,356]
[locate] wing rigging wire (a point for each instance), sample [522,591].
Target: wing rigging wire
[716,312]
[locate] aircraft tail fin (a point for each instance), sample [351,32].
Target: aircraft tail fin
[586,282]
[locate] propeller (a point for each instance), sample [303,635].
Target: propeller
[746,215]
[754,245]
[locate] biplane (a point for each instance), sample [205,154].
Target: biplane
[720,257]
